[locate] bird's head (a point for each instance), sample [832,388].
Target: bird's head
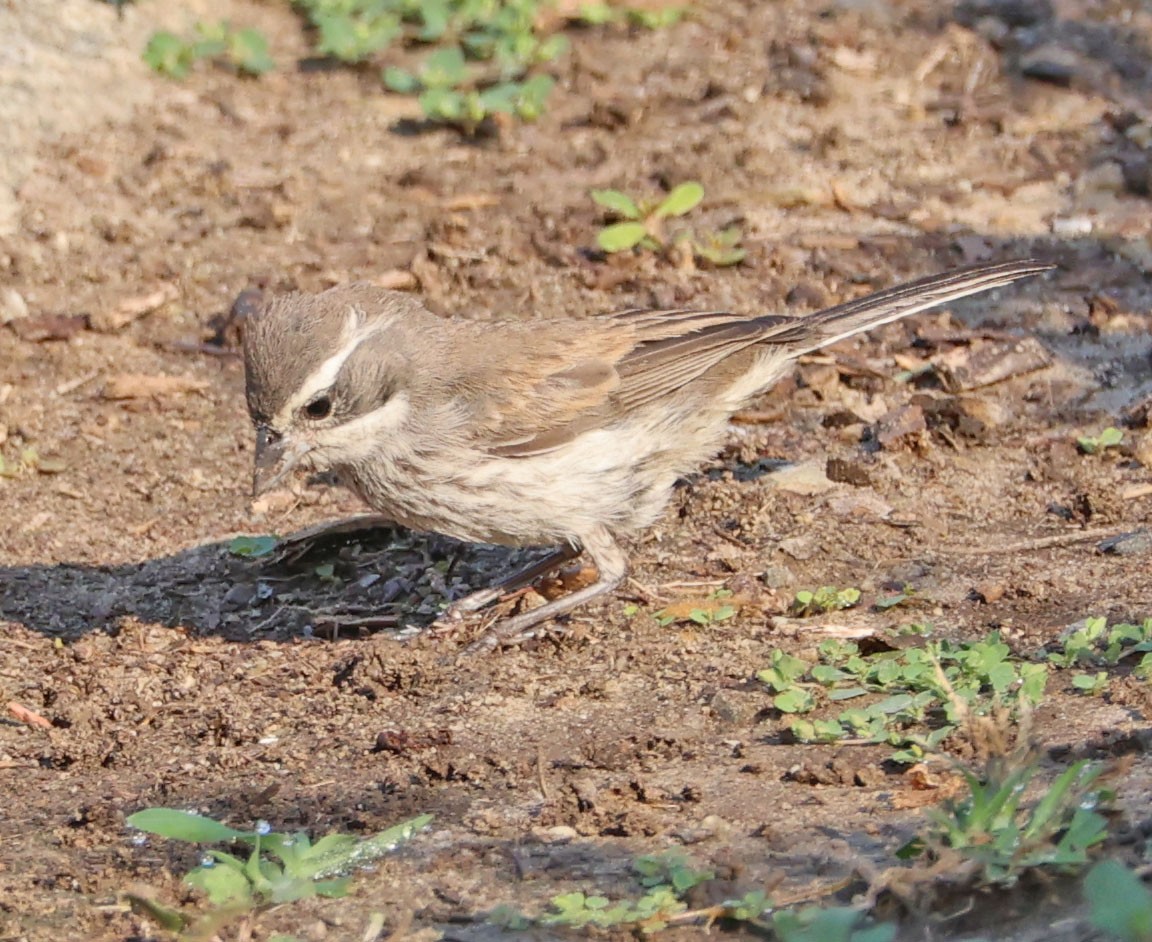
[328,377]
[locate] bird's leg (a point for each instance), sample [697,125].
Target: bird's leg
[611,566]
[475,601]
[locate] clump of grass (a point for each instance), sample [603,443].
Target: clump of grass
[279,868]
[1002,835]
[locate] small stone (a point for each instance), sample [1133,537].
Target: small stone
[847,472]
[778,577]
[1050,63]
[1014,13]
[12,305]
[558,834]
[1136,543]
[1137,175]
[989,592]
[1067,226]
[731,708]
[239,596]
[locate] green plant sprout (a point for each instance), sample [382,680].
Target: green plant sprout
[916,698]
[1094,644]
[993,827]
[825,599]
[280,868]
[643,223]
[485,59]
[599,14]
[245,50]
[1119,901]
[30,461]
[705,615]
[667,879]
[252,547]
[1094,444]
[443,83]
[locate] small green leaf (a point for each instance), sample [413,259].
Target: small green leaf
[681,200]
[1120,902]
[248,49]
[222,885]
[617,202]
[169,55]
[183,826]
[796,700]
[444,68]
[621,236]
[165,917]
[253,546]
[400,80]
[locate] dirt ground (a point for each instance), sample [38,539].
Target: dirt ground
[857,144]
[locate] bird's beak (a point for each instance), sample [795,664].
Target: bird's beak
[276,456]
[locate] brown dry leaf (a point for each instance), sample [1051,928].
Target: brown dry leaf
[132,309]
[466,201]
[683,609]
[396,279]
[24,715]
[926,789]
[567,580]
[143,386]
[983,364]
[49,327]
[900,424]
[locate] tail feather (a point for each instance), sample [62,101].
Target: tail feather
[836,323]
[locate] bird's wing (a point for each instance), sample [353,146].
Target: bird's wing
[584,375]
[622,363]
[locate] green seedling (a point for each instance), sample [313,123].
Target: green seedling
[599,14]
[1094,444]
[352,30]
[245,50]
[1119,902]
[443,84]
[30,461]
[1095,643]
[912,700]
[995,828]
[666,879]
[825,599]
[252,547]
[838,924]
[279,868]
[643,226]
[1092,684]
[705,615]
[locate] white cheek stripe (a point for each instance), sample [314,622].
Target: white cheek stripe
[325,374]
[355,440]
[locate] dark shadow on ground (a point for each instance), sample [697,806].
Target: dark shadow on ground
[353,583]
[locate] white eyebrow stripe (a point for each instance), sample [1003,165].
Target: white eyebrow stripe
[325,374]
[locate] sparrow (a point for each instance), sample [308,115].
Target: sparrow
[565,432]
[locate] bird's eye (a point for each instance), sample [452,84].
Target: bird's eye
[319,408]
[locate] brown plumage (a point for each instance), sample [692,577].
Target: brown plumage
[569,432]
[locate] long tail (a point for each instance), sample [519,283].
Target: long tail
[835,323]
